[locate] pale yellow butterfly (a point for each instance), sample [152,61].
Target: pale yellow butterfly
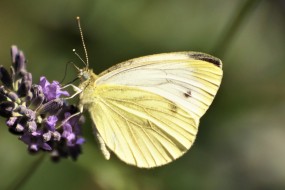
[147,110]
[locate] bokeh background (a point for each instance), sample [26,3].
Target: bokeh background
[241,139]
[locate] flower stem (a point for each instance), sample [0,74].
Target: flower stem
[237,19]
[26,174]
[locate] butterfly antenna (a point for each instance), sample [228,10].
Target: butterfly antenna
[74,51]
[83,43]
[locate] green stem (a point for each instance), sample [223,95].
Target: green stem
[232,27]
[27,174]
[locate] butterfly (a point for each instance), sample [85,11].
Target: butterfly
[147,110]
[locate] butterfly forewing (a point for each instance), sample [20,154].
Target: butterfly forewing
[185,78]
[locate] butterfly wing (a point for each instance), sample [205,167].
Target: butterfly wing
[189,79]
[142,128]
[147,110]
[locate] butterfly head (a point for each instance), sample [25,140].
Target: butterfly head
[83,74]
[86,74]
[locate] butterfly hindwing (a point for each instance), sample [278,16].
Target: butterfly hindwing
[140,127]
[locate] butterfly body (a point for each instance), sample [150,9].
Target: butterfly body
[147,110]
[88,87]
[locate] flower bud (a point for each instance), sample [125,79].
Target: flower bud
[47,136]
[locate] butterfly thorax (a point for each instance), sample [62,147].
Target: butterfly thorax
[88,86]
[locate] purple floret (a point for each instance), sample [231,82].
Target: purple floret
[51,122]
[51,90]
[70,130]
[35,142]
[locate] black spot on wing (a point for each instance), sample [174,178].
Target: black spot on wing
[187,94]
[206,57]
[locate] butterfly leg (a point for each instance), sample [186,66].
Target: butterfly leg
[71,116]
[75,88]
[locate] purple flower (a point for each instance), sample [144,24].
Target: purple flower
[51,90]
[80,141]
[32,126]
[35,142]
[18,60]
[71,130]
[51,122]
[11,121]
[37,114]
[19,128]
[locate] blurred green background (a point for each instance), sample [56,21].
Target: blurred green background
[241,141]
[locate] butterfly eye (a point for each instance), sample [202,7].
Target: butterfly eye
[85,75]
